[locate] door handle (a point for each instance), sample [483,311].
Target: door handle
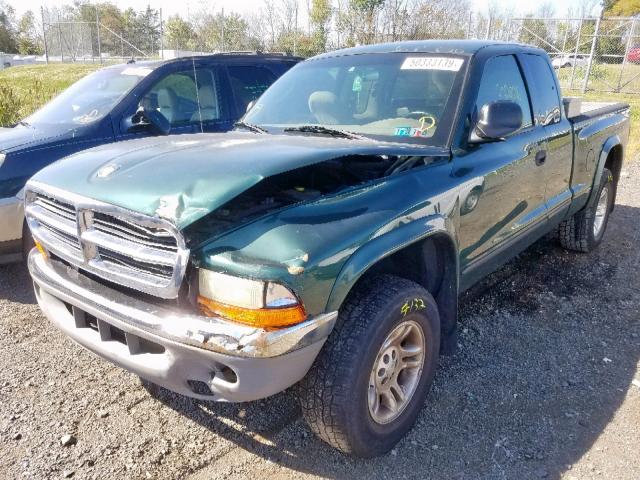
[541,157]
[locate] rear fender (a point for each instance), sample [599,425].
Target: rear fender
[611,142]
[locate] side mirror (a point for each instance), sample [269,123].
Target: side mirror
[148,120]
[496,120]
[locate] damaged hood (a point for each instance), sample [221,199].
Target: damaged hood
[186,177]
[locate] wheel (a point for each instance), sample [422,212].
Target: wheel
[584,231]
[369,382]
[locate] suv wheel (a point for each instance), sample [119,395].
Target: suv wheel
[369,382]
[584,231]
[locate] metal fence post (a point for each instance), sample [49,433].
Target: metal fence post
[98,32]
[161,37]
[469,25]
[593,51]
[44,36]
[575,53]
[486,37]
[626,53]
[60,40]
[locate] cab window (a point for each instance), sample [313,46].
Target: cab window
[502,80]
[186,98]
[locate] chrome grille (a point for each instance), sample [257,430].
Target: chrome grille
[134,250]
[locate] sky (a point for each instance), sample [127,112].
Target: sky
[184,7]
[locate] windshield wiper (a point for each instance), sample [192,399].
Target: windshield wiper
[320,130]
[23,123]
[250,126]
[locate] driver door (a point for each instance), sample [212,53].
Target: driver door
[502,189]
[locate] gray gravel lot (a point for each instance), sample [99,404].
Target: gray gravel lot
[546,384]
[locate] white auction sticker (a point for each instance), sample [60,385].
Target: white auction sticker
[136,71]
[432,63]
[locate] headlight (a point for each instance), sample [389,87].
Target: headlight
[253,302]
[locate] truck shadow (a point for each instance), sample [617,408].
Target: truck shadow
[15,284]
[549,346]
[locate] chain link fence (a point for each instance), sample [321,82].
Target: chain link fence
[587,53]
[598,54]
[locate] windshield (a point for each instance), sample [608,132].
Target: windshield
[407,97]
[91,98]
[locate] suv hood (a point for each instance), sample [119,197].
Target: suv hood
[186,177]
[20,137]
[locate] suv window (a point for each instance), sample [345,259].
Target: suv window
[546,101]
[502,80]
[187,97]
[248,83]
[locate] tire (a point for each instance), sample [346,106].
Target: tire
[335,395]
[584,231]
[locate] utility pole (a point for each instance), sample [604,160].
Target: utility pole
[44,36]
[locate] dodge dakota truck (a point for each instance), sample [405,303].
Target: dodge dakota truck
[325,245]
[122,102]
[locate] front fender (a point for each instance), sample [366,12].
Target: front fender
[384,245]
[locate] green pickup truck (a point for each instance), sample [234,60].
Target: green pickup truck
[325,241]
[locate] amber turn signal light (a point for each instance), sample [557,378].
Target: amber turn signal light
[260,318]
[41,249]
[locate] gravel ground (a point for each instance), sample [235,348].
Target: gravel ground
[546,384]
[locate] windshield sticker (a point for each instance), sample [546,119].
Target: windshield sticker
[136,71]
[427,123]
[357,84]
[432,63]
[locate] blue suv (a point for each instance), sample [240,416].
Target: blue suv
[123,102]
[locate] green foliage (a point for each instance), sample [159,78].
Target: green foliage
[7,29]
[621,8]
[179,34]
[28,38]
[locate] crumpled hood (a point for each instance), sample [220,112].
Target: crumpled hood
[183,178]
[21,137]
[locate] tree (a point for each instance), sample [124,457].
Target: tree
[620,8]
[179,34]
[28,38]
[319,18]
[7,29]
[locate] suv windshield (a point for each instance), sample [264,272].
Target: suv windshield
[91,98]
[408,97]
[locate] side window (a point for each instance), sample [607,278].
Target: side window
[248,82]
[502,80]
[546,102]
[185,98]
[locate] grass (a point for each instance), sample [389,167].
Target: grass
[25,88]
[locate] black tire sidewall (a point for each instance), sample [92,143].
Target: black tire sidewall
[606,181]
[367,437]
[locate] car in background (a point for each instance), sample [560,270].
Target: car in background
[572,60]
[633,55]
[122,102]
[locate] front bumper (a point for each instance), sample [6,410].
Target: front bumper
[197,356]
